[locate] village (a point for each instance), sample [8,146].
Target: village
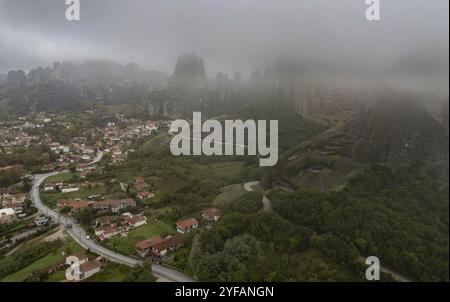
[119,216]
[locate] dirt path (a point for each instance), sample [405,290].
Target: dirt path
[194,250]
[60,234]
[13,250]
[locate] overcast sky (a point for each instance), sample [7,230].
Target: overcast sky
[232,35]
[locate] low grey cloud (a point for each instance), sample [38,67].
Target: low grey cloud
[237,35]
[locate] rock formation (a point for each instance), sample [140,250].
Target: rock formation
[189,75]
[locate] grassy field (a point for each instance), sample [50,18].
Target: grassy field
[153,214]
[215,172]
[16,227]
[125,245]
[218,170]
[69,246]
[114,192]
[171,185]
[156,143]
[226,168]
[324,178]
[229,193]
[113,272]
[57,276]
[62,177]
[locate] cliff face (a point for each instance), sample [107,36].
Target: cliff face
[66,86]
[189,75]
[399,130]
[16,77]
[186,90]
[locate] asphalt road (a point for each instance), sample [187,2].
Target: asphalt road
[79,234]
[267,204]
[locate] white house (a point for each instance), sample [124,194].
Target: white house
[187,225]
[136,220]
[107,232]
[70,189]
[85,268]
[211,214]
[41,220]
[6,215]
[89,268]
[49,188]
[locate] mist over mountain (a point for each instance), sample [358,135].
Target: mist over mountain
[239,36]
[2,78]
[400,131]
[189,74]
[94,72]
[424,68]
[356,118]
[333,68]
[66,85]
[407,121]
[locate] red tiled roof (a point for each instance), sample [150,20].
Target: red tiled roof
[136,218]
[139,182]
[172,241]
[148,243]
[187,223]
[90,265]
[62,203]
[15,205]
[211,212]
[113,203]
[81,204]
[146,194]
[108,230]
[75,204]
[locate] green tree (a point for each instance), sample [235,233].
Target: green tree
[86,217]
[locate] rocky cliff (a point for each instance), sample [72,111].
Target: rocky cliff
[189,75]
[399,130]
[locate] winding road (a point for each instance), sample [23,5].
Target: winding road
[79,234]
[267,204]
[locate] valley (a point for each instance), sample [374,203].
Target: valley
[352,178]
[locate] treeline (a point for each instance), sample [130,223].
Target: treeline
[121,273]
[400,216]
[26,256]
[196,195]
[30,158]
[8,178]
[292,127]
[250,244]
